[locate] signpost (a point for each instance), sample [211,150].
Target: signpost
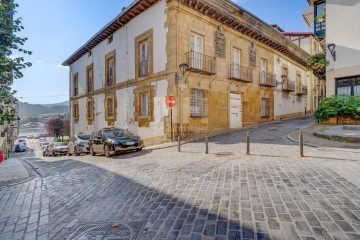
[171,102]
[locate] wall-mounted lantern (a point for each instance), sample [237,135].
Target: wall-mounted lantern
[331,48]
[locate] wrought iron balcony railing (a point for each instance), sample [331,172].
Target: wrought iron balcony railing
[144,68]
[301,90]
[240,73]
[287,85]
[267,79]
[201,63]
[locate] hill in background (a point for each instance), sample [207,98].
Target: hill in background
[28,109]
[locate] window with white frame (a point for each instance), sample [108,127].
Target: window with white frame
[197,51]
[236,63]
[144,104]
[144,58]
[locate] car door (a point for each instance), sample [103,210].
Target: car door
[96,142]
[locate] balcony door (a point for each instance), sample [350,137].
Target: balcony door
[197,49]
[236,63]
[264,65]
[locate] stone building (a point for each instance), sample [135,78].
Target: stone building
[236,71]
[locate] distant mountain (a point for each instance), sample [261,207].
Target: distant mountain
[28,109]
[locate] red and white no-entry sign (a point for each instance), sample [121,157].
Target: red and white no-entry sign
[171,101]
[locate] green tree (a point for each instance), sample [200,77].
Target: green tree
[11,65]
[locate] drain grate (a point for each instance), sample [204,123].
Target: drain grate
[113,230]
[224,154]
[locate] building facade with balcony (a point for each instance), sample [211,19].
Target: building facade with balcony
[334,23]
[122,76]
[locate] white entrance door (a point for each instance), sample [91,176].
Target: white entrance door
[235,110]
[197,51]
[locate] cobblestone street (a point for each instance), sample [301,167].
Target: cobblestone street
[270,194]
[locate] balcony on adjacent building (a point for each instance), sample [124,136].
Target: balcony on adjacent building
[287,85]
[240,73]
[201,63]
[267,79]
[301,90]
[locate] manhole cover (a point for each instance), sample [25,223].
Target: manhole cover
[224,154]
[273,130]
[113,231]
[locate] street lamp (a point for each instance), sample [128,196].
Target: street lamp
[183,68]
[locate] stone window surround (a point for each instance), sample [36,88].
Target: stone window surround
[204,107]
[108,57]
[146,36]
[75,111]
[88,68]
[75,84]
[144,121]
[110,119]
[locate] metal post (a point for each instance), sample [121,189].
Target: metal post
[179,141]
[171,125]
[301,143]
[206,144]
[247,143]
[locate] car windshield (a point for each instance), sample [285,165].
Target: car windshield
[84,137]
[117,133]
[60,144]
[45,143]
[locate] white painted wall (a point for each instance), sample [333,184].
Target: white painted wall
[288,103]
[342,29]
[124,44]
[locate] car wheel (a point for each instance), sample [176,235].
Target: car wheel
[69,153]
[139,149]
[92,153]
[76,153]
[107,151]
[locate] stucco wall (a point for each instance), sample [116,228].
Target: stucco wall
[124,45]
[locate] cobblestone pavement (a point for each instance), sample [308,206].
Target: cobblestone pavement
[270,194]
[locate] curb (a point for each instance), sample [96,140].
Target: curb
[31,171]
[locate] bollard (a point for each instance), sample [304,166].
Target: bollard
[179,146]
[301,143]
[206,144]
[247,143]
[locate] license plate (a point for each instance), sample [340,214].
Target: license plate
[130,143]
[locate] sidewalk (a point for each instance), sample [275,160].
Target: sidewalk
[13,171]
[311,140]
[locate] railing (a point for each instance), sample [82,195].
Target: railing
[200,63]
[144,68]
[267,79]
[240,73]
[287,85]
[301,90]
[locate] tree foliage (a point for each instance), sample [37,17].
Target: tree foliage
[11,65]
[58,127]
[343,106]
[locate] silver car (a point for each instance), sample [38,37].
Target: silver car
[79,144]
[57,148]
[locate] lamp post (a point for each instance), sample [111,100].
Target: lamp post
[183,68]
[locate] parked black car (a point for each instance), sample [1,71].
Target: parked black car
[110,141]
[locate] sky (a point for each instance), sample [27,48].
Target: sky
[57,28]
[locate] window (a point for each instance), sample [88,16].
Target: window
[89,78]
[76,84]
[144,54]
[110,39]
[348,86]
[110,69]
[144,104]
[198,103]
[284,72]
[265,107]
[298,79]
[144,58]
[76,111]
[90,109]
[89,54]
[110,113]
[263,70]
[236,63]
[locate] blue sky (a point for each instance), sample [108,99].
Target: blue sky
[57,28]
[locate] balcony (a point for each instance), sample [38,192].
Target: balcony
[201,63]
[287,85]
[144,68]
[240,73]
[301,90]
[267,79]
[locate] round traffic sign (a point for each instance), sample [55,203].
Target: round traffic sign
[171,101]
